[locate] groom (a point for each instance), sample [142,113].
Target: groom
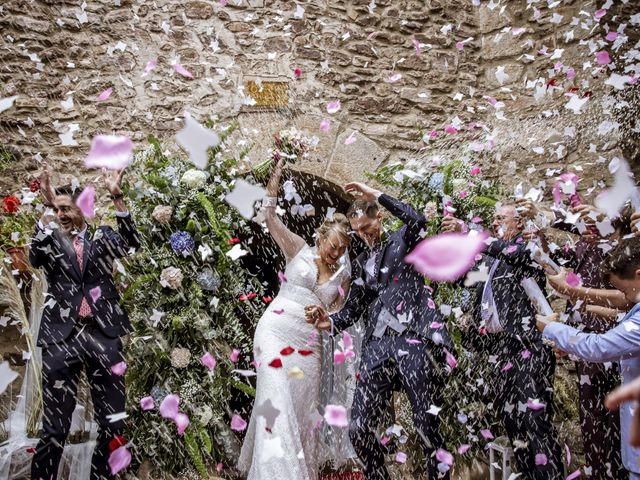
[404,334]
[82,322]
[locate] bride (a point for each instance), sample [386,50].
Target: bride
[282,437]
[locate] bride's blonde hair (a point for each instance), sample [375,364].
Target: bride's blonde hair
[339,224]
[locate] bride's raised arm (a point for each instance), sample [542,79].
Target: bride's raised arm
[289,242]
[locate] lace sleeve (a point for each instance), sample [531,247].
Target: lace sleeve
[289,242]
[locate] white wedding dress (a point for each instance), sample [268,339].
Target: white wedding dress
[288,354]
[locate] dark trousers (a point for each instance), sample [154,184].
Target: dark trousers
[520,378]
[600,427]
[418,368]
[62,363]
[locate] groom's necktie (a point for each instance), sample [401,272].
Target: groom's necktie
[78,245]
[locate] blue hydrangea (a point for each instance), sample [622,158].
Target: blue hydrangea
[436,182]
[181,242]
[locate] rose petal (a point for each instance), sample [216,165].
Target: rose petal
[574,279]
[234,355]
[336,416]
[119,368]
[169,406]
[535,404]
[338,357]
[86,201]
[401,457]
[287,351]
[182,71]
[462,449]
[603,58]
[487,435]
[451,360]
[238,423]
[333,107]
[276,363]
[113,152]
[119,459]
[325,125]
[105,94]
[95,293]
[448,256]
[541,459]
[208,361]
[574,475]
[151,64]
[444,457]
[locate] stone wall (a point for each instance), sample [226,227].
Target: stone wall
[361,52]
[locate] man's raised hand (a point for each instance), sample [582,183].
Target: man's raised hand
[363,191]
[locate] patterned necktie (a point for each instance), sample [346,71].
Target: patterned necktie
[78,245]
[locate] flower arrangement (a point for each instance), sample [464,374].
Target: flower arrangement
[182,242]
[290,145]
[17,220]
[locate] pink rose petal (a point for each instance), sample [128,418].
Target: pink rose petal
[571,73]
[338,357]
[182,71]
[105,94]
[151,64]
[535,405]
[182,422]
[541,459]
[448,256]
[119,459]
[416,45]
[282,277]
[600,13]
[435,325]
[611,36]
[372,35]
[451,360]
[475,170]
[238,423]
[603,58]
[526,354]
[147,403]
[464,448]
[486,434]
[333,107]
[401,457]
[279,311]
[95,293]
[325,125]
[568,454]
[119,368]
[86,201]
[208,361]
[444,457]
[431,304]
[450,129]
[413,341]
[574,279]
[234,355]
[574,475]
[459,45]
[508,366]
[297,72]
[169,406]
[341,291]
[336,416]
[113,152]
[351,138]
[394,78]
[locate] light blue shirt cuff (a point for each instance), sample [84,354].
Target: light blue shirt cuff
[122,214]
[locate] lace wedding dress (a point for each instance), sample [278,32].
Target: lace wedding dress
[288,354]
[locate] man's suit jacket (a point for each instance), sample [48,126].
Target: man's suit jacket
[400,288]
[68,283]
[515,310]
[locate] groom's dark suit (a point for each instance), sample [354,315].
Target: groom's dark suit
[70,341]
[395,290]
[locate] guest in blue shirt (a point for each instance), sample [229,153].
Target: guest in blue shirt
[620,344]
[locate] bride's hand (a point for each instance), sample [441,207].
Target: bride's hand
[317,316]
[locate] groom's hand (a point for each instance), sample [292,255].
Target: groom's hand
[363,191]
[317,316]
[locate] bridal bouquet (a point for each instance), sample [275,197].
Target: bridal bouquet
[290,145]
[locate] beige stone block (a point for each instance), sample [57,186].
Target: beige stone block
[350,162]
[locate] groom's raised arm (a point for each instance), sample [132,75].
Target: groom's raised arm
[415,222]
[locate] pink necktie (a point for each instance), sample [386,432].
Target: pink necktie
[85,309]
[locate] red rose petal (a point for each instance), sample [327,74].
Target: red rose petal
[276,363]
[287,351]
[305,353]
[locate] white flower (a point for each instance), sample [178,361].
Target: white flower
[459,184]
[171,277]
[204,414]
[194,178]
[162,214]
[180,357]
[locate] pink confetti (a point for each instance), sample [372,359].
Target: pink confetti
[119,368]
[611,36]
[169,406]
[448,256]
[338,357]
[450,129]
[571,73]
[238,423]
[147,403]
[385,440]
[279,311]
[413,341]
[475,170]
[451,360]
[182,71]
[208,361]
[541,459]
[574,279]
[325,125]
[372,35]
[416,45]
[282,277]
[105,94]
[459,45]
[535,405]
[151,64]
[336,416]
[119,459]
[431,304]
[508,366]
[351,138]
[297,72]
[444,457]
[95,293]
[526,354]
[86,201]
[603,58]
[567,453]
[435,325]
[574,475]
[401,457]
[234,355]
[113,152]
[182,422]
[341,291]
[600,13]
[333,107]
[486,434]
[464,448]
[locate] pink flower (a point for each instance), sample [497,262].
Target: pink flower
[169,406]
[603,58]
[106,94]
[448,256]
[450,129]
[238,423]
[336,416]
[208,361]
[119,368]
[182,422]
[119,459]
[147,403]
[234,355]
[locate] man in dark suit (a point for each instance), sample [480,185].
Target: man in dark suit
[524,366]
[82,322]
[404,334]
